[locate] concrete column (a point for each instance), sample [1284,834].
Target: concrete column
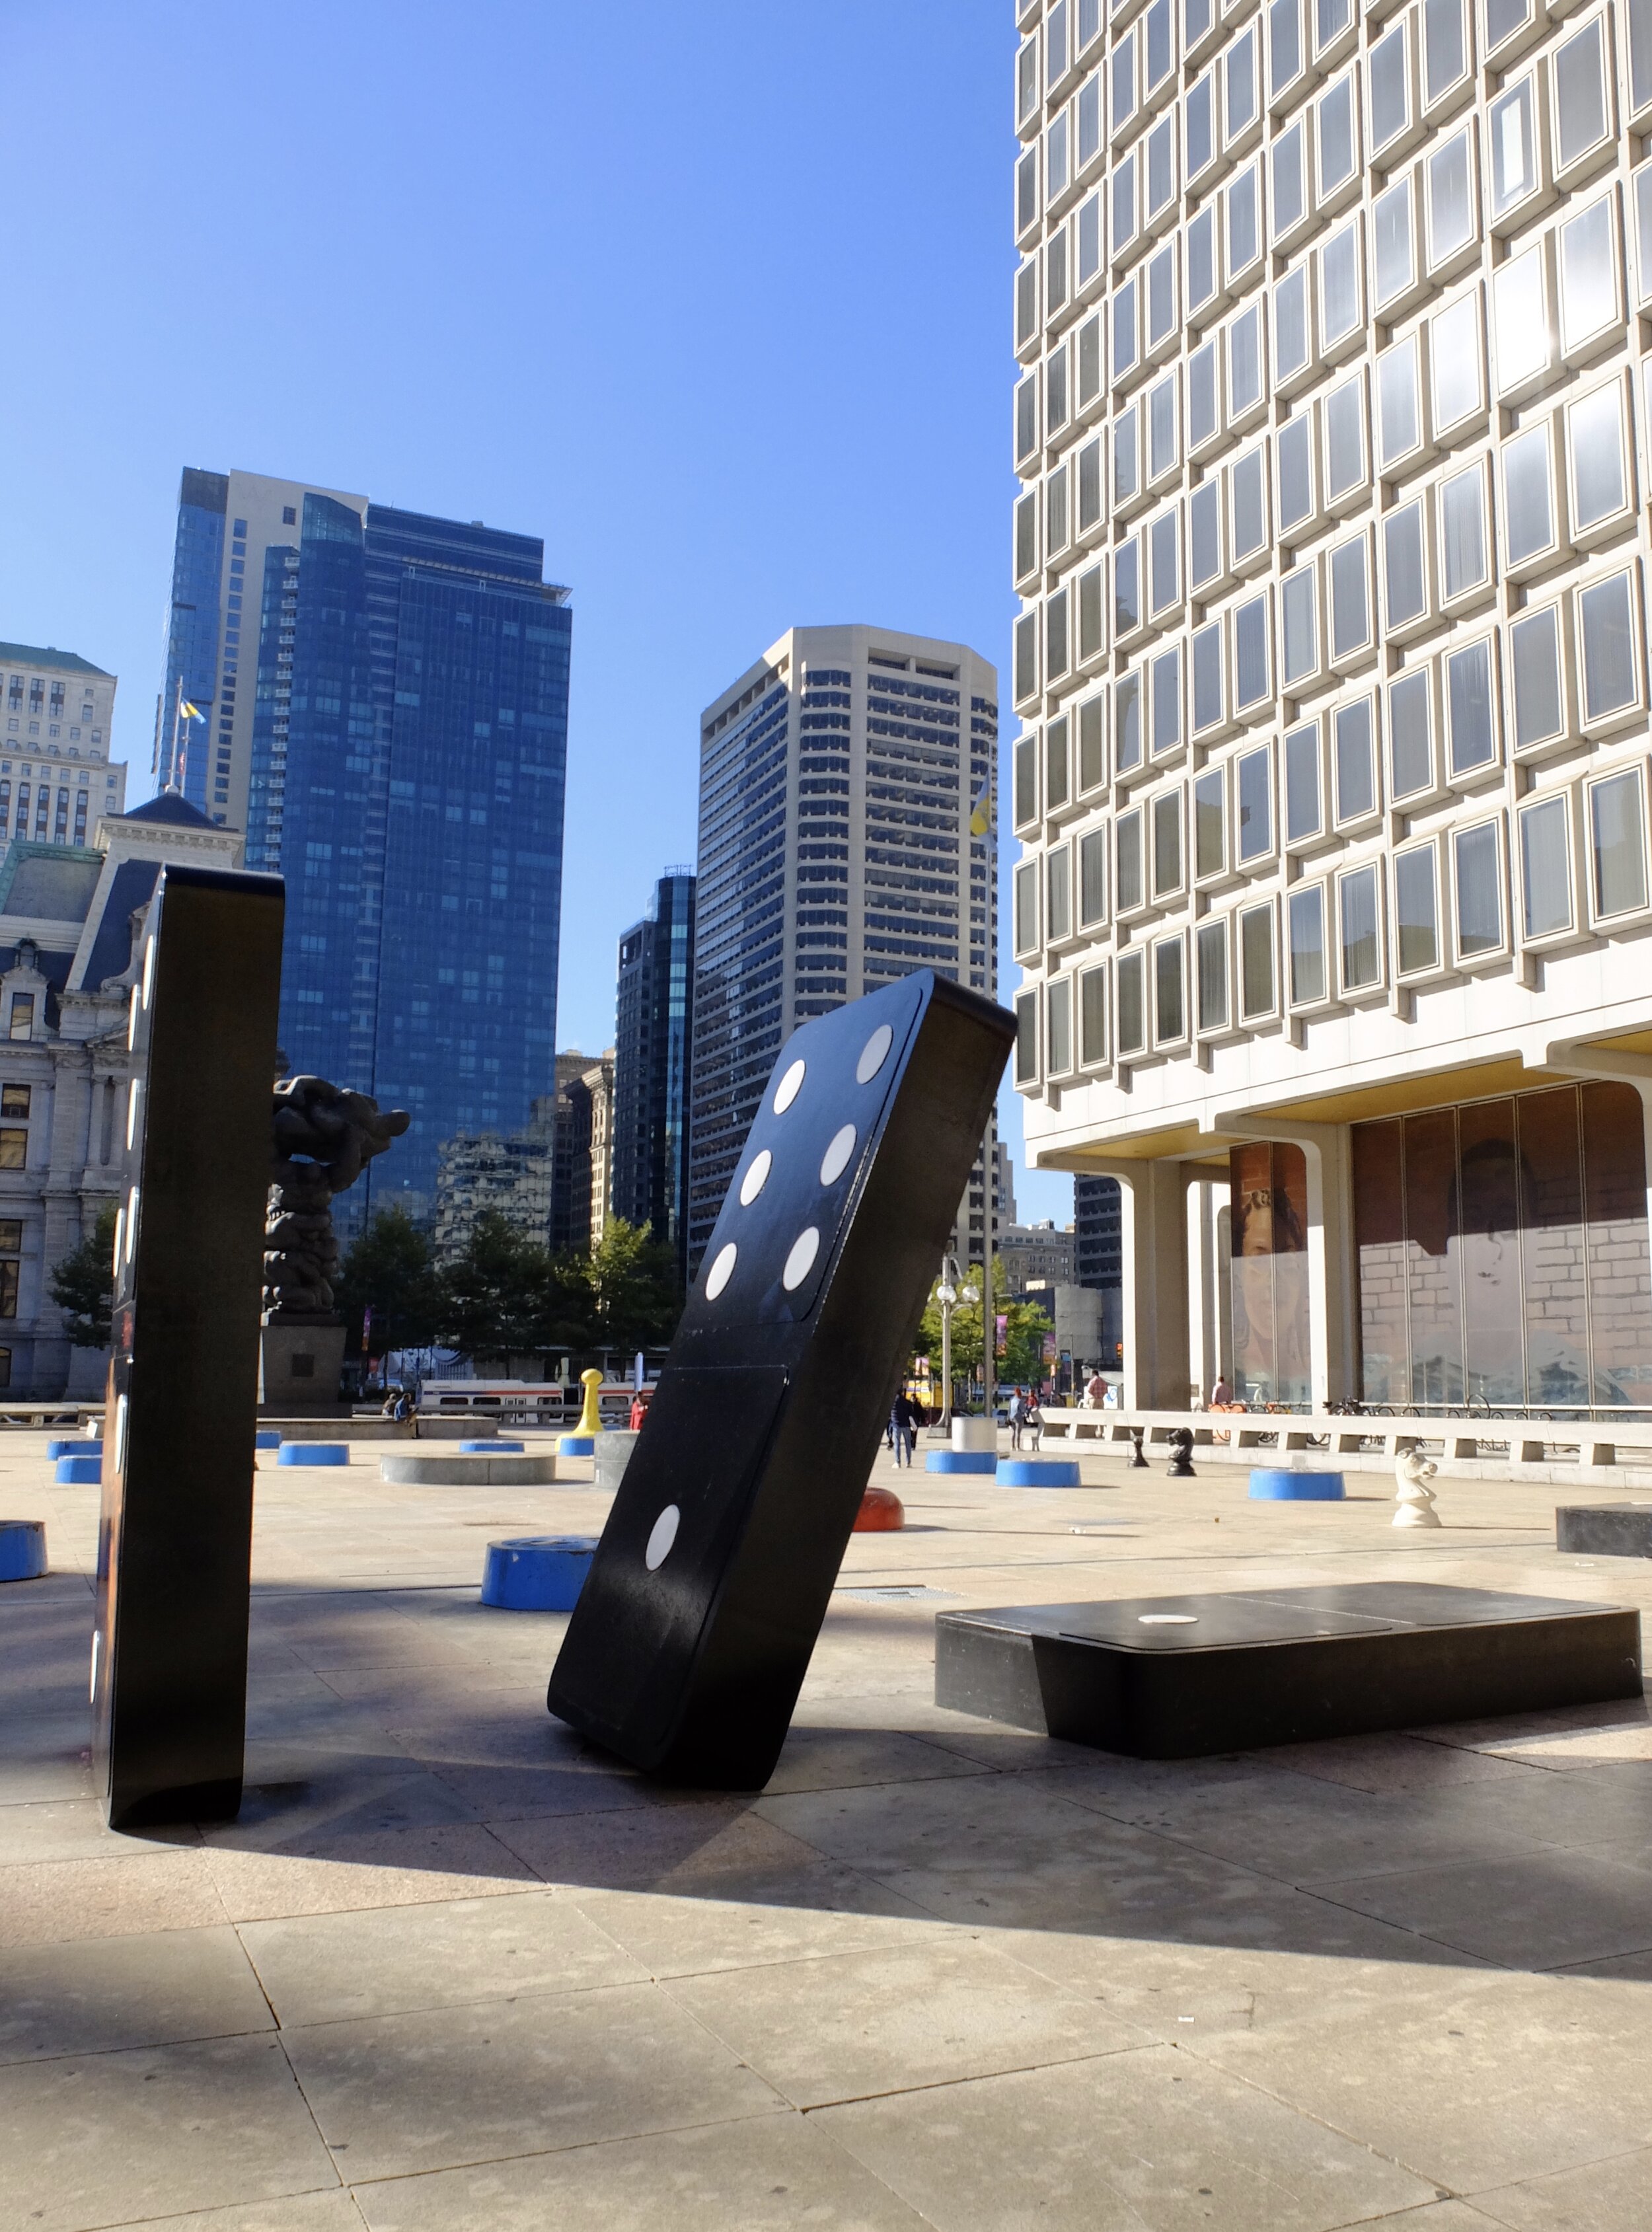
[1209,1293]
[1153,1206]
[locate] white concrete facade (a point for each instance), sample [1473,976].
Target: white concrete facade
[1332,782]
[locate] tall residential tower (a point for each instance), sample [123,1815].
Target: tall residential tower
[845,839]
[386,703]
[1332,778]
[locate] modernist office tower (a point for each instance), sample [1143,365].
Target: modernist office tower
[1332,773]
[386,700]
[842,780]
[651,1043]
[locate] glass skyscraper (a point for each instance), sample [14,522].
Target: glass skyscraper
[652,1041]
[387,703]
[1334,329]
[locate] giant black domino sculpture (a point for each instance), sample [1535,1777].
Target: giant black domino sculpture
[169,1655]
[693,1632]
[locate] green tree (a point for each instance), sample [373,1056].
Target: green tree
[1021,1359]
[633,1288]
[83,1284]
[1020,1348]
[390,1269]
[507,1295]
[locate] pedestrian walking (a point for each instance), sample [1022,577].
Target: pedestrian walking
[1018,1419]
[903,1420]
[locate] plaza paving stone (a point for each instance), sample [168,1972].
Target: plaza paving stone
[452,1968]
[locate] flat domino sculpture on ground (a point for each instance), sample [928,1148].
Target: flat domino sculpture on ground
[693,1633]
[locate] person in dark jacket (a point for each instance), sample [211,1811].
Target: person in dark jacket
[903,1424]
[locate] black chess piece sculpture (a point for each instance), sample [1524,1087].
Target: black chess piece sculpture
[690,1639]
[1138,1462]
[1182,1455]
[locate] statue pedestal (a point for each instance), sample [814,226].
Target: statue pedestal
[299,1363]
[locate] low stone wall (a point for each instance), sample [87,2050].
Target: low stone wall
[1555,1452]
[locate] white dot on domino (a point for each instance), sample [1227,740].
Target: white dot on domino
[756,1179]
[660,1538]
[873,1054]
[838,1155]
[721,1272]
[800,1262]
[789,1087]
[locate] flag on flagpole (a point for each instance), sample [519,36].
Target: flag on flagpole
[190,712]
[981,819]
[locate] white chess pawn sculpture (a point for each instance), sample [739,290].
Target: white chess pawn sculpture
[1416,1498]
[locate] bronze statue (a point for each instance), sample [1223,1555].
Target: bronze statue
[322,1138]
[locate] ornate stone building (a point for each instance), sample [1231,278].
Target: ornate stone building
[70,917]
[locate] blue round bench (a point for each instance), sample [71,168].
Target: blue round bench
[71,1448]
[79,1472]
[314,1453]
[960,1461]
[577,1445]
[1270,1485]
[266,1441]
[538,1572]
[491,1449]
[22,1549]
[1039,1472]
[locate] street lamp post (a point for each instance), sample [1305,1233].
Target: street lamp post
[949,1294]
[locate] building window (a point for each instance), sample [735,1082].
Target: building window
[1210,954]
[1092,1017]
[1610,658]
[1169,1001]
[1059,1006]
[1477,877]
[1416,910]
[1618,845]
[1210,817]
[14,1102]
[1471,726]
[1360,939]
[14,1148]
[1307,928]
[1303,813]
[1545,868]
[22,1015]
[1535,672]
[1132,1005]
[1257,997]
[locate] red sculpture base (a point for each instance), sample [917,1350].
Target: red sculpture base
[881,1512]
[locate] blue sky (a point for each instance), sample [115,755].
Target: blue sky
[714,297]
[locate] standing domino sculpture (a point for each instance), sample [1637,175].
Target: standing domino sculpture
[1416,1498]
[169,1652]
[693,1633]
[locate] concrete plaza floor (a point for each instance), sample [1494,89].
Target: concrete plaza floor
[453,1969]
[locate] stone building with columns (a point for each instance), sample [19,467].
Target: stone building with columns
[70,920]
[1333,420]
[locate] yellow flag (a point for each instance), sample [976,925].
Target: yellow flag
[191,712]
[980,820]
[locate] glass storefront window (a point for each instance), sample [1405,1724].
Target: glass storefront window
[1502,1253]
[1269,1192]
